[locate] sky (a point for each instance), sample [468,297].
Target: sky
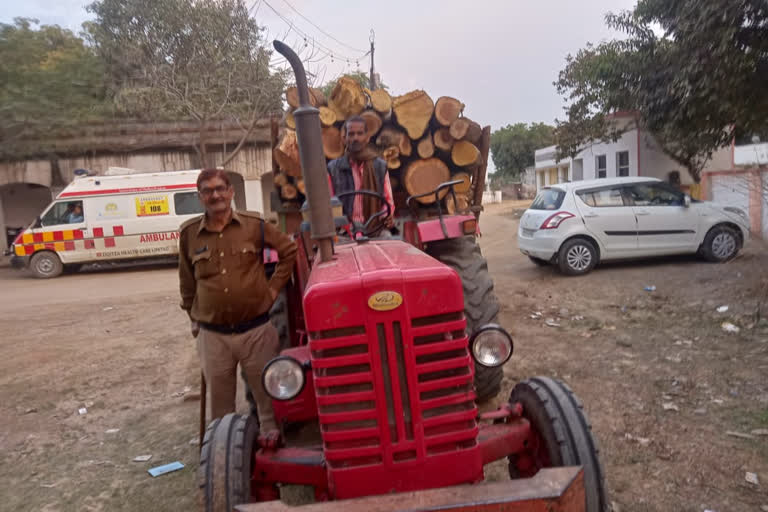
[499,57]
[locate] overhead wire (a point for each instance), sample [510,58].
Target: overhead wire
[328,51]
[320,29]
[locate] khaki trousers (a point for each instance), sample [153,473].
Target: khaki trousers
[219,355]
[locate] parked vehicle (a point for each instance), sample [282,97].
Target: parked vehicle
[109,218]
[577,225]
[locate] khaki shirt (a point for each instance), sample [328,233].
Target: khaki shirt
[222,276]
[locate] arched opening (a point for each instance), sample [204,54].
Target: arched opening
[20,204]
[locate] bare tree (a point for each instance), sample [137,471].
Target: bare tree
[204,60]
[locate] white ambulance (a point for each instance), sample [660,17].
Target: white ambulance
[100,218]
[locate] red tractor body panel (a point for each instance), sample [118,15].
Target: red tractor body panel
[391,371]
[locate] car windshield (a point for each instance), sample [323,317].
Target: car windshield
[548,199]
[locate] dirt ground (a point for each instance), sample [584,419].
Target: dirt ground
[665,386]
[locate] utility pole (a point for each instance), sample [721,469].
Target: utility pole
[372,79]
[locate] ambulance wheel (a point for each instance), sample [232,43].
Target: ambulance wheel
[45,264]
[481,306]
[226,463]
[561,435]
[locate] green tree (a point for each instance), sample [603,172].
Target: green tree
[513,147]
[186,59]
[48,78]
[692,70]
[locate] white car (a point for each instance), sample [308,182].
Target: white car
[576,225]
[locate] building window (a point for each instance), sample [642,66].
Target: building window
[622,163]
[601,166]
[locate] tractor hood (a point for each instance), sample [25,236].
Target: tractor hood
[375,279]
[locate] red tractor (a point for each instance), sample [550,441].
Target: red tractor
[388,346]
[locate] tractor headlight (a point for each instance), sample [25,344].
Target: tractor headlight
[283,378]
[491,345]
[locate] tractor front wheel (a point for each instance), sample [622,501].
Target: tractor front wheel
[480,303]
[226,462]
[560,436]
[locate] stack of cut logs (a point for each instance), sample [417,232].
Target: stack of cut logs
[424,143]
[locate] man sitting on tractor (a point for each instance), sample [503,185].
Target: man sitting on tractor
[361,169]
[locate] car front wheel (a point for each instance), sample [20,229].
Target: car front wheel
[721,244]
[577,256]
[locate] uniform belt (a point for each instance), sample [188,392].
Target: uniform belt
[238,328]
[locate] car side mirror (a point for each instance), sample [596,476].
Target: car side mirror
[38,222]
[687,201]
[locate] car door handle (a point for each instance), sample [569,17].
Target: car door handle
[590,214]
[642,212]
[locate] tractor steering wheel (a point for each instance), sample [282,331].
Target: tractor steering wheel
[365,228]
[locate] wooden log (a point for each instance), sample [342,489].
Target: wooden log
[280,179]
[287,154]
[292,97]
[347,98]
[317,97]
[464,153]
[466,129]
[327,116]
[290,122]
[425,148]
[381,101]
[447,110]
[301,187]
[474,133]
[372,123]
[443,140]
[462,188]
[333,144]
[405,146]
[413,112]
[423,176]
[288,191]
[392,156]
[389,136]
[460,205]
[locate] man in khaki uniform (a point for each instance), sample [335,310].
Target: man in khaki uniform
[225,291]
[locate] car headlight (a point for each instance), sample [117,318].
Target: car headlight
[491,345]
[283,378]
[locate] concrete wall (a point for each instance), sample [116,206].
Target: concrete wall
[627,142]
[751,154]
[27,171]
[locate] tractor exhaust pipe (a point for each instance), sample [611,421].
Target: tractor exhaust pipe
[309,135]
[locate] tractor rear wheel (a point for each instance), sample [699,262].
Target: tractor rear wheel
[480,303]
[226,462]
[561,436]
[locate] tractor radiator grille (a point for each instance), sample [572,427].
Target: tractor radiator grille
[374,386]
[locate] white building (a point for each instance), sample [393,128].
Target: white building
[635,153]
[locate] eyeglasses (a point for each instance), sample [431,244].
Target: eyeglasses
[208,192]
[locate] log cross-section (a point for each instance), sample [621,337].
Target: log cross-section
[447,109]
[423,176]
[413,112]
